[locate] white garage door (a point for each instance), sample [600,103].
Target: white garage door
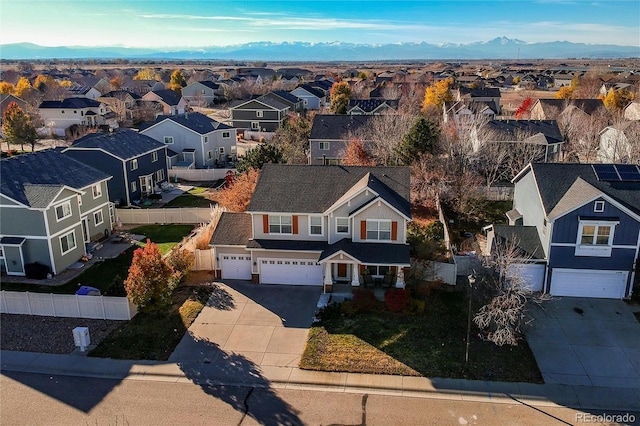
[290,271]
[236,267]
[588,283]
[532,274]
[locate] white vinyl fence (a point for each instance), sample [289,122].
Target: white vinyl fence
[66,305]
[188,215]
[204,260]
[199,175]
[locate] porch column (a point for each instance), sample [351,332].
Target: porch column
[328,280]
[400,278]
[355,275]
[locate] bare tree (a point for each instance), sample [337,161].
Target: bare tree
[385,133]
[582,132]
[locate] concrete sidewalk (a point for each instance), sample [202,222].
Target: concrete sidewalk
[204,372]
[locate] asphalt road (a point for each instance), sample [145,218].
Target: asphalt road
[36,399]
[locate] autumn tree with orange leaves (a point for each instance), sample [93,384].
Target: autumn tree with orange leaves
[235,197]
[356,155]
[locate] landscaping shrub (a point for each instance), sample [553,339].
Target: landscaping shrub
[116,288]
[181,261]
[365,301]
[416,306]
[396,299]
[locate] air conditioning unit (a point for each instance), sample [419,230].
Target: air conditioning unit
[81,337]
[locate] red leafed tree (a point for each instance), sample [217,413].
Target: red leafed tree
[151,281]
[236,196]
[356,155]
[524,109]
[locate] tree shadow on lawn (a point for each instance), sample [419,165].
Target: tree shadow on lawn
[433,343]
[235,380]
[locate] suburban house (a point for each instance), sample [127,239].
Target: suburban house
[632,111]
[259,114]
[6,99]
[330,135]
[553,109]
[137,163]
[490,95]
[172,103]
[49,208]
[141,87]
[463,115]
[312,98]
[372,106]
[121,102]
[315,225]
[294,103]
[60,115]
[620,143]
[84,92]
[202,93]
[200,141]
[580,223]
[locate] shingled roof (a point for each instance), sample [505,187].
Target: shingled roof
[520,130]
[123,144]
[526,238]
[34,179]
[338,127]
[233,229]
[195,121]
[71,103]
[168,96]
[314,189]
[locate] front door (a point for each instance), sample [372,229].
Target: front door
[342,272]
[85,230]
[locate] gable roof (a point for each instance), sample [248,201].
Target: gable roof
[520,130]
[71,103]
[123,144]
[34,179]
[314,189]
[210,84]
[233,229]
[555,179]
[489,92]
[370,105]
[195,121]
[526,239]
[338,127]
[588,106]
[311,90]
[120,94]
[168,96]
[286,96]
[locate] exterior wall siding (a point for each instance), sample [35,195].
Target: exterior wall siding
[21,221]
[620,260]
[303,230]
[337,149]
[37,251]
[182,139]
[64,261]
[381,211]
[56,226]
[527,201]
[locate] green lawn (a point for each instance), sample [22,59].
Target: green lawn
[155,336]
[431,344]
[164,236]
[189,200]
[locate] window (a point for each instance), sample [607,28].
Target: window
[68,242]
[378,230]
[154,156]
[226,135]
[134,164]
[315,225]
[324,146]
[280,224]
[255,125]
[79,200]
[159,175]
[97,190]
[259,113]
[595,238]
[134,187]
[598,207]
[206,139]
[377,270]
[97,218]
[168,140]
[221,150]
[63,210]
[209,155]
[202,92]
[342,225]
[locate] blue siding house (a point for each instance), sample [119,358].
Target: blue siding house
[582,221]
[137,163]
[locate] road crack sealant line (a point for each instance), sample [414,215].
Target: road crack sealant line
[246,405]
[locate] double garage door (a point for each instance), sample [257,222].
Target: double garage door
[589,283]
[290,271]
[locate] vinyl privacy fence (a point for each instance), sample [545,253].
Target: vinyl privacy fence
[66,305]
[177,215]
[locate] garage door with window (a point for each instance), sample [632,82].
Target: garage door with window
[236,267]
[588,283]
[290,271]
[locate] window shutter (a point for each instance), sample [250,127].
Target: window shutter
[363,229]
[394,231]
[265,223]
[294,222]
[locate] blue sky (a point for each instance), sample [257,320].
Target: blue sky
[196,23]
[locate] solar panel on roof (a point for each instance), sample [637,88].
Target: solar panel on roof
[606,172]
[628,172]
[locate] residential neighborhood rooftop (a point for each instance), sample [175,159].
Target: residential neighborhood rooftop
[123,144]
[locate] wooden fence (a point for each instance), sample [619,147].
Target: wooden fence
[188,215]
[199,175]
[204,260]
[66,305]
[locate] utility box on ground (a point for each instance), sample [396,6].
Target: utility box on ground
[81,337]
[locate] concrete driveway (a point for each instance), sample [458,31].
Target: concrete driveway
[259,327]
[591,342]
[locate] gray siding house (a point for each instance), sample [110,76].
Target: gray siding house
[330,135]
[200,141]
[263,114]
[49,209]
[137,163]
[202,93]
[581,225]
[312,98]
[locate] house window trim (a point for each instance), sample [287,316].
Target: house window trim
[154,156]
[96,190]
[134,186]
[348,226]
[255,125]
[134,164]
[595,250]
[159,175]
[598,207]
[70,249]
[95,218]
[260,114]
[168,140]
[321,144]
[280,224]
[321,234]
[226,135]
[379,221]
[55,209]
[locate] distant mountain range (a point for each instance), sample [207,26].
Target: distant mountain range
[498,48]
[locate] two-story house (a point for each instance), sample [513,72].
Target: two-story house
[50,206]
[318,225]
[581,224]
[172,103]
[202,93]
[200,141]
[331,134]
[138,163]
[60,115]
[264,114]
[312,97]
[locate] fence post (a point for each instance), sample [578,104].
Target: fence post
[78,305]
[104,312]
[53,304]
[29,303]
